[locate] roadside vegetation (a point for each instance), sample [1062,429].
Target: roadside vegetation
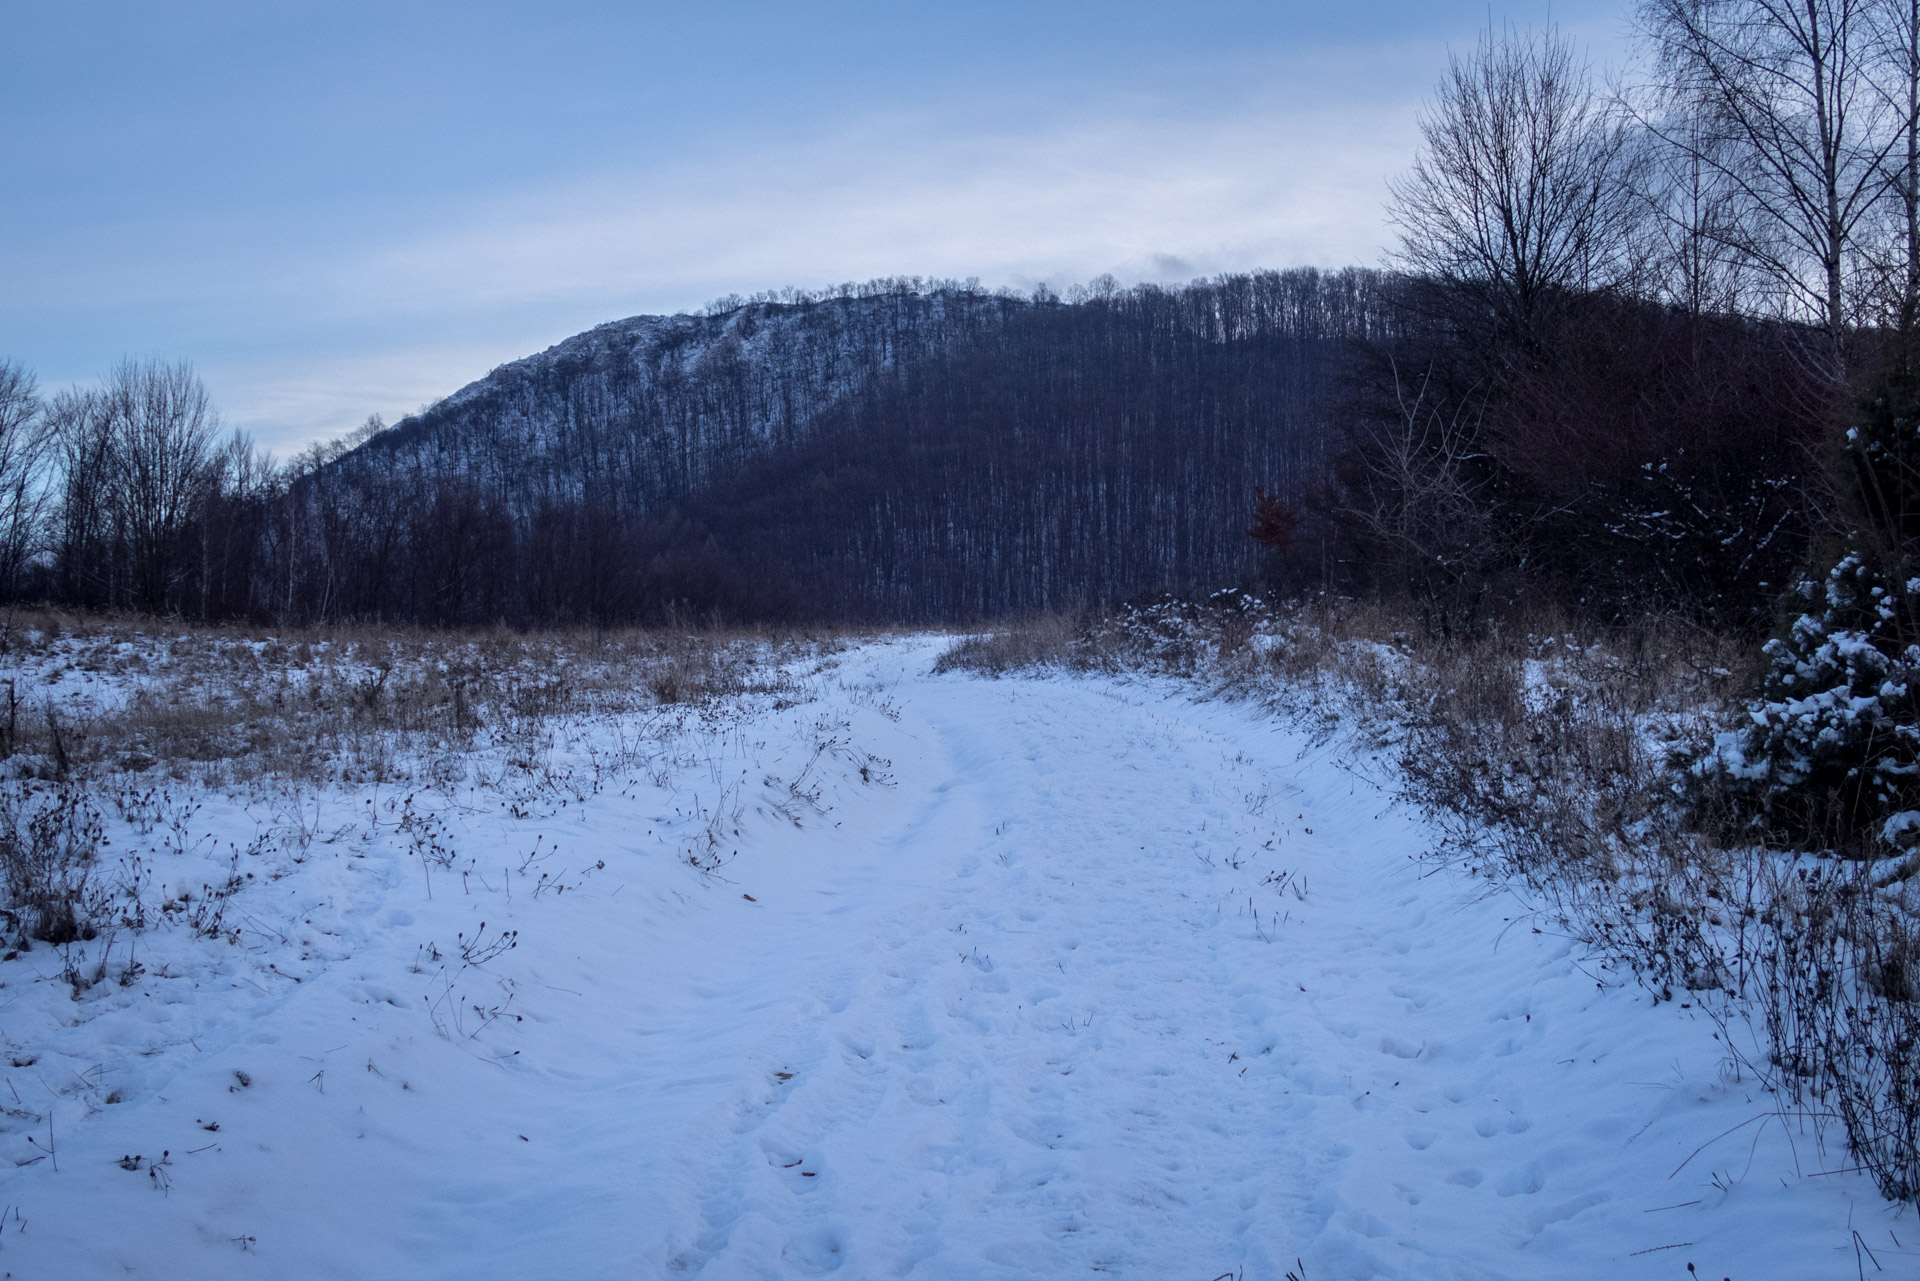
[117,731]
[1568,767]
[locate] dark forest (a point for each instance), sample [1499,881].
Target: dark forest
[910,451]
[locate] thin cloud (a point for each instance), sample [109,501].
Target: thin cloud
[1142,198]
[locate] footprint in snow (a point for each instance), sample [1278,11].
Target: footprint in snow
[1522,1181]
[817,1253]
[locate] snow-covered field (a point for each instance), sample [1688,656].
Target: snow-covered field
[1033,977]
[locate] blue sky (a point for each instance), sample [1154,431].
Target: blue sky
[341,208]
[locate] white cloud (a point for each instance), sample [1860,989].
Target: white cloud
[308,304]
[289,403]
[1133,196]
[1279,182]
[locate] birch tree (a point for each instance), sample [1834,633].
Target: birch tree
[1778,100]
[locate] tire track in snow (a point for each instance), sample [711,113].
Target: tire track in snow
[1040,1010]
[1092,1035]
[1022,1074]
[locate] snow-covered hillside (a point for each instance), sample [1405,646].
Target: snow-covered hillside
[650,408]
[898,452]
[908,975]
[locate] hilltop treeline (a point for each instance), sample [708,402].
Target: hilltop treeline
[738,461]
[927,451]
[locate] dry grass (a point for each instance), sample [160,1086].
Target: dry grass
[139,718]
[1047,641]
[94,696]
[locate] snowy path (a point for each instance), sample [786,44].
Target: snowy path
[1105,982]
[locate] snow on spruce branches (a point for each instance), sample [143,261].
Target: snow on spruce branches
[1834,736]
[1830,751]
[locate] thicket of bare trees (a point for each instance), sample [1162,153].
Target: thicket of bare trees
[133,491]
[1789,106]
[1744,394]
[1640,311]
[25,441]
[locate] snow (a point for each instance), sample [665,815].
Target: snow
[1011,978]
[734,383]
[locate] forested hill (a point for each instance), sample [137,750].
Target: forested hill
[660,406]
[897,451]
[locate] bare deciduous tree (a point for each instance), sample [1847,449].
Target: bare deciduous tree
[23,453]
[1685,254]
[136,458]
[1523,188]
[1893,251]
[163,428]
[1419,499]
[1778,99]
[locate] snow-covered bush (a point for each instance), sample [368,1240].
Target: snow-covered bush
[1830,751]
[1829,755]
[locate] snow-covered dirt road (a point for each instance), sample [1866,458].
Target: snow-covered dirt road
[1027,978]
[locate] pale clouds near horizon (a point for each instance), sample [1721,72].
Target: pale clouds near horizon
[1140,198]
[313,287]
